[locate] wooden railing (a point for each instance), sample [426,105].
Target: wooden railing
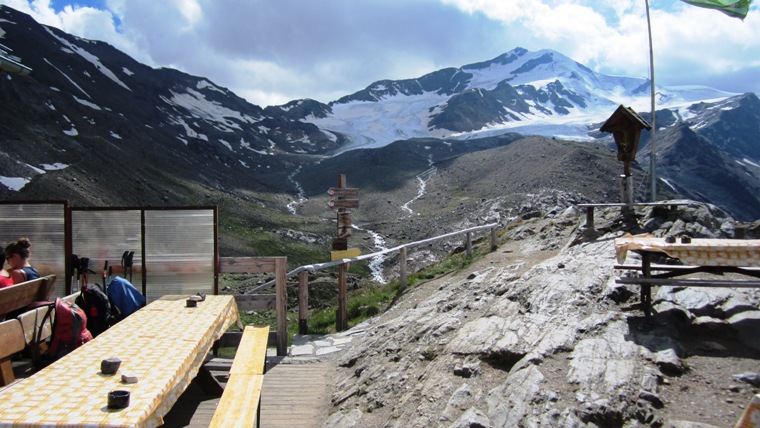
[303,271]
[247,302]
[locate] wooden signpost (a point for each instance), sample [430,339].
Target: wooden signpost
[343,198]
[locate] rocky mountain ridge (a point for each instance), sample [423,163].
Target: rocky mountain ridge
[94,127]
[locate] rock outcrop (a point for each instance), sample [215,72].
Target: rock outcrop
[539,334]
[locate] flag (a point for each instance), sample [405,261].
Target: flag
[737,9]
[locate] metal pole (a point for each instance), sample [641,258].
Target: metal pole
[653,157]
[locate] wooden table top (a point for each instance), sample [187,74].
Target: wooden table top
[698,252]
[164,344]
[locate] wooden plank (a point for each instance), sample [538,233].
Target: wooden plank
[250,358]
[688,282]
[256,302]
[247,264]
[231,339]
[21,295]
[31,321]
[296,395]
[660,267]
[11,341]
[239,404]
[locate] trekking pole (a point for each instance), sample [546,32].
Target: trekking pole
[104,275]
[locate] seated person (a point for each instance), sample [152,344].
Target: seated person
[17,255]
[5,276]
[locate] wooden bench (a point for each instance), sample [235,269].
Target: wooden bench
[11,342]
[35,333]
[19,296]
[667,276]
[241,401]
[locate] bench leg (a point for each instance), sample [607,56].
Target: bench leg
[6,371]
[208,384]
[646,289]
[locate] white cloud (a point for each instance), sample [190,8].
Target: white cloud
[273,52]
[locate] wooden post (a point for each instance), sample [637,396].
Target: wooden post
[280,264]
[590,217]
[493,239]
[646,289]
[341,320]
[402,269]
[303,302]
[469,244]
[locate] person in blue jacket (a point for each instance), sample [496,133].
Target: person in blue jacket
[17,256]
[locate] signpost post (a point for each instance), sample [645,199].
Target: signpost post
[342,198]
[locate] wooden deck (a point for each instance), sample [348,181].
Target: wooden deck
[294,395]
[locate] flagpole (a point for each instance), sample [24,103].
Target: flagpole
[653,156]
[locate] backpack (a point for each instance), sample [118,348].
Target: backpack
[69,329]
[124,297]
[96,307]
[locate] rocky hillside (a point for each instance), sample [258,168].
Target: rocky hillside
[538,334]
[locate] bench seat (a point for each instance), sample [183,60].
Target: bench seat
[241,400]
[20,295]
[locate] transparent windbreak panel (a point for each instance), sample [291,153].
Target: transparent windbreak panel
[104,236]
[179,252]
[43,224]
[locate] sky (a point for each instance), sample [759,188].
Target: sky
[274,51]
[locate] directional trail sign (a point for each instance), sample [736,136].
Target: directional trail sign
[345,254]
[342,192]
[343,203]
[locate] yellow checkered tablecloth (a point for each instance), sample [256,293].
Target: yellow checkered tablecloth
[163,344]
[699,252]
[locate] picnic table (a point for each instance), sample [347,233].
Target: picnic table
[164,344]
[697,255]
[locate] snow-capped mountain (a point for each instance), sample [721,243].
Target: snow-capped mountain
[94,126]
[533,93]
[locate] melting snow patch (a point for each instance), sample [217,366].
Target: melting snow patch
[14,183]
[86,103]
[54,166]
[668,183]
[71,132]
[226,144]
[94,60]
[69,78]
[205,84]
[126,71]
[197,104]
[115,135]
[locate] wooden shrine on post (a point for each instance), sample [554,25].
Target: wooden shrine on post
[626,125]
[342,198]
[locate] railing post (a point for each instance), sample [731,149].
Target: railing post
[469,244]
[493,239]
[303,302]
[280,264]
[341,320]
[402,269]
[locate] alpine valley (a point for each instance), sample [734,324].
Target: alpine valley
[458,146]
